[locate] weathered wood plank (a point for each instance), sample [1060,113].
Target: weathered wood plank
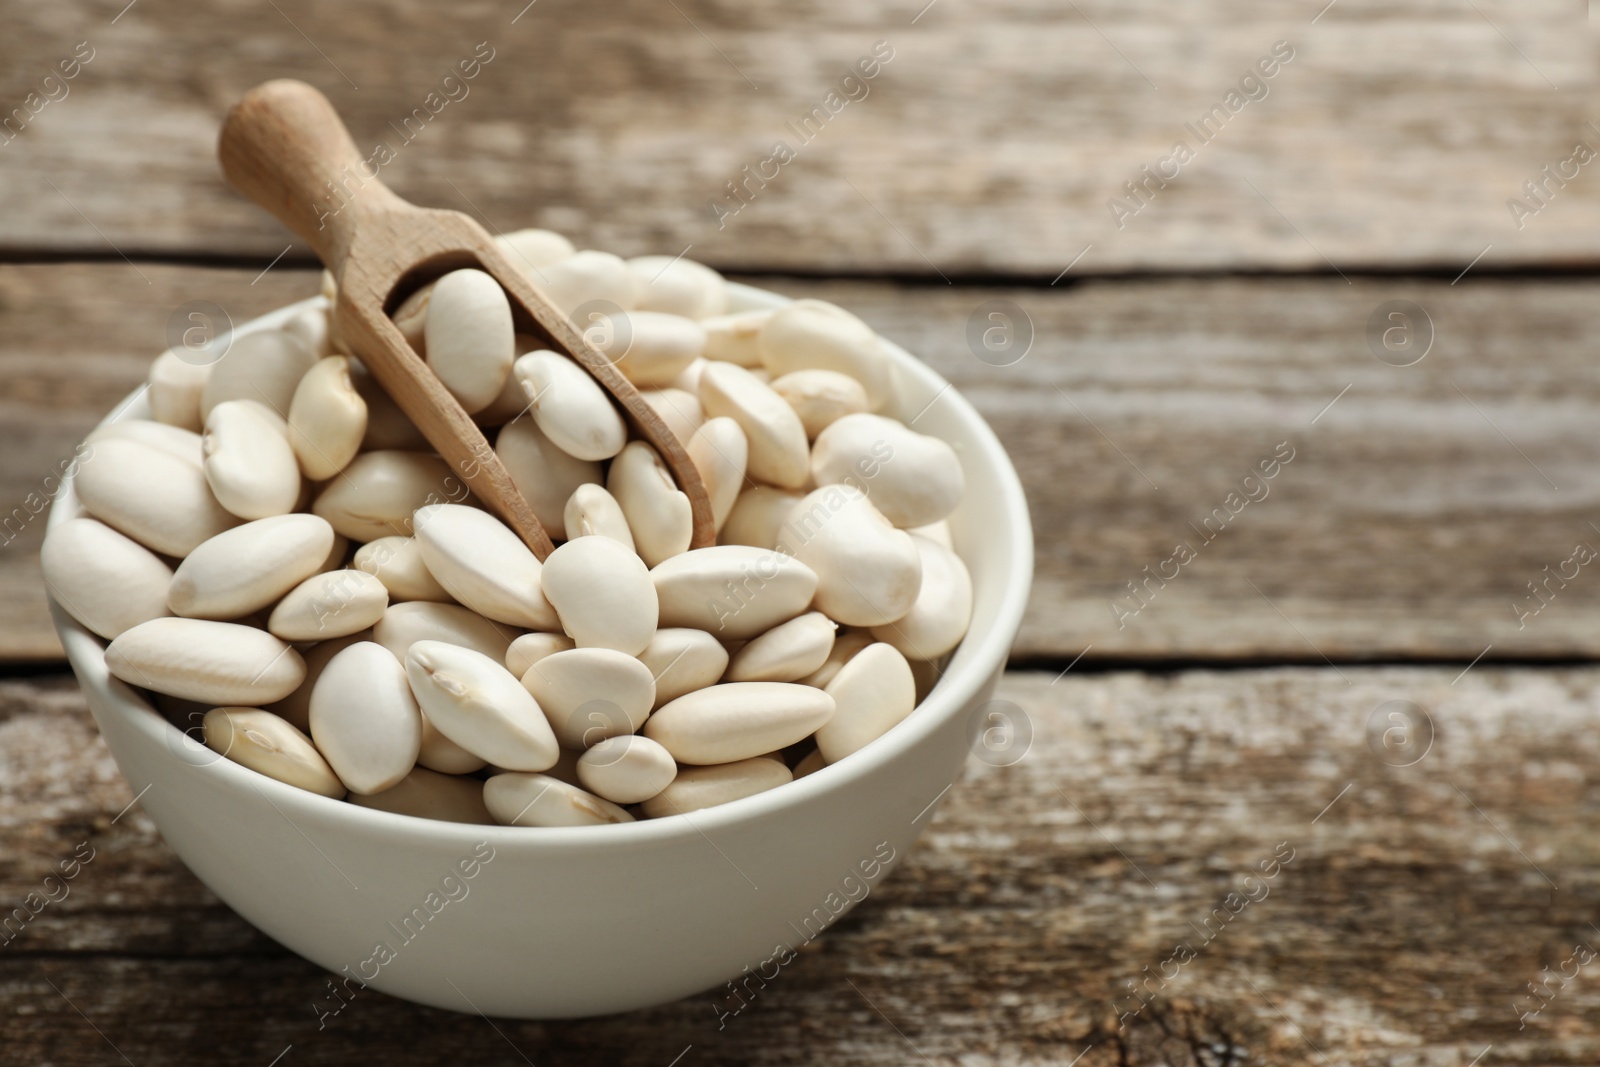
[1408,524]
[1407,924]
[992,141]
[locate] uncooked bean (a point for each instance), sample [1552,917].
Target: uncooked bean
[683,659]
[531,250]
[513,398]
[108,582]
[296,707]
[874,691]
[720,452]
[778,446]
[327,419]
[815,334]
[650,348]
[845,646]
[405,624]
[184,444]
[810,765]
[914,479]
[540,800]
[677,285]
[364,719]
[244,569]
[705,787]
[738,720]
[736,338]
[868,572]
[586,277]
[396,561]
[679,409]
[327,605]
[658,512]
[602,593]
[439,753]
[268,745]
[688,378]
[485,566]
[314,326]
[821,397]
[544,474]
[249,465]
[569,406]
[176,386]
[376,495]
[468,337]
[336,556]
[264,366]
[425,794]
[758,516]
[937,532]
[591,511]
[411,318]
[590,694]
[938,620]
[478,704]
[150,495]
[788,652]
[733,591]
[529,649]
[627,769]
[216,663]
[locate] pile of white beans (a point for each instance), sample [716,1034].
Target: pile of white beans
[283,561]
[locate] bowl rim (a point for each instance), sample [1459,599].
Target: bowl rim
[949,698]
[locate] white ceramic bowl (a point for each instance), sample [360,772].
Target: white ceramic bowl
[581,921]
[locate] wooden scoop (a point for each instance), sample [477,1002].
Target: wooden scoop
[284,147]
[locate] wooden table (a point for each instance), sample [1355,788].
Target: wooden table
[1354,681]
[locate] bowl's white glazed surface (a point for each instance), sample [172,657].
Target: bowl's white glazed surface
[546,923]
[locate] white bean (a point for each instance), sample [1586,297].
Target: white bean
[813,333]
[327,419]
[914,479]
[411,318]
[485,566]
[365,720]
[650,348]
[733,591]
[778,447]
[937,532]
[593,512]
[376,495]
[720,452]
[217,663]
[296,707]
[249,465]
[469,337]
[264,366]
[268,745]
[540,800]
[688,378]
[249,567]
[868,572]
[821,397]
[439,753]
[939,619]
[531,249]
[738,720]
[810,765]
[405,624]
[683,659]
[602,593]
[480,705]
[874,691]
[396,561]
[845,646]
[586,277]
[788,652]
[658,512]
[705,787]
[569,406]
[679,409]
[627,769]
[314,326]
[677,285]
[108,582]
[327,605]
[758,516]
[150,495]
[184,444]
[736,338]
[425,794]
[529,649]
[590,694]
[544,474]
[176,386]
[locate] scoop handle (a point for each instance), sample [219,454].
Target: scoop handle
[284,146]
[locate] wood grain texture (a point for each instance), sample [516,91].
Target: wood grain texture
[1404,927]
[991,142]
[1409,523]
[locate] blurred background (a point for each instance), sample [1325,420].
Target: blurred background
[1163,247]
